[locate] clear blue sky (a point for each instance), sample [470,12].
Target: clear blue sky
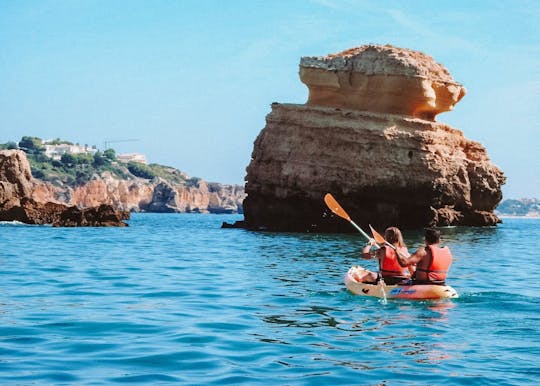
[192,81]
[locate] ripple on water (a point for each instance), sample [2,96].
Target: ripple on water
[175,299]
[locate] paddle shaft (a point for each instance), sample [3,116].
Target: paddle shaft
[334,206]
[360,230]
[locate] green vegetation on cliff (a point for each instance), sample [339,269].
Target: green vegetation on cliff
[77,169]
[154,170]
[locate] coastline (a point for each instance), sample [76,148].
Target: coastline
[528,217]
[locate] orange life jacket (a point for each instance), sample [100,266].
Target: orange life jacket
[434,267]
[390,266]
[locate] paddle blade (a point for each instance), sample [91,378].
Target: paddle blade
[379,239]
[335,207]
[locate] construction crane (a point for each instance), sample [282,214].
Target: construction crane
[106,143]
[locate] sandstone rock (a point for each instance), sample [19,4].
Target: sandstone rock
[392,165]
[16,203]
[15,177]
[139,194]
[29,211]
[164,199]
[102,215]
[382,79]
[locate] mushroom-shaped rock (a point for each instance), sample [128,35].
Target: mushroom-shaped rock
[381,78]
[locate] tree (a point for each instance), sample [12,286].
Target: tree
[58,141]
[141,170]
[100,159]
[193,181]
[31,143]
[110,154]
[68,159]
[83,159]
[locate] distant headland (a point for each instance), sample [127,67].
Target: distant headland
[524,207]
[83,176]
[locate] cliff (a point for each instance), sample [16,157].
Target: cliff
[367,135]
[89,178]
[145,195]
[17,203]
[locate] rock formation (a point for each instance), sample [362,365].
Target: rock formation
[141,195]
[15,178]
[17,204]
[381,79]
[367,135]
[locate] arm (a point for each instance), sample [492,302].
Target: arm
[412,259]
[366,252]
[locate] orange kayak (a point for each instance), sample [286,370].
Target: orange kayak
[417,291]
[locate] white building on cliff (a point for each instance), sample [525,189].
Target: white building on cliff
[56,151]
[132,157]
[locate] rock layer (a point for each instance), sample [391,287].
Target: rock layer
[385,169]
[382,79]
[140,195]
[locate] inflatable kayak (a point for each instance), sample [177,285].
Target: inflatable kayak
[418,291]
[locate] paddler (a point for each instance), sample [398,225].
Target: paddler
[389,268]
[432,261]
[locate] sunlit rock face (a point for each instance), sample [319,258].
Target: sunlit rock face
[140,195]
[380,154]
[17,203]
[381,79]
[15,177]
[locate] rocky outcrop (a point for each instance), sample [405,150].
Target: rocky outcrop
[15,177]
[391,165]
[102,215]
[17,204]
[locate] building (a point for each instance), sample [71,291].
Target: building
[132,157]
[56,151]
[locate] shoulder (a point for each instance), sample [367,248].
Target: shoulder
[421,251]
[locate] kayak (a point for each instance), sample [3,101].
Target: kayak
[417,291]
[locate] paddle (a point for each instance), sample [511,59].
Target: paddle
[380,238]
[337,209]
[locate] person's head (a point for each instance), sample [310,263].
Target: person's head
[394,237]
[432,236]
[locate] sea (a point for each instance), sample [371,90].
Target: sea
[176,299]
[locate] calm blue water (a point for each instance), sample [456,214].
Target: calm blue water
[175,299]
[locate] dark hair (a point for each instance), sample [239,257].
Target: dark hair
[433,236]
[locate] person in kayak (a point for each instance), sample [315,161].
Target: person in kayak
[389,268]
[432,261]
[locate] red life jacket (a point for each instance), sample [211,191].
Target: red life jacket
[434,267]
[390,266]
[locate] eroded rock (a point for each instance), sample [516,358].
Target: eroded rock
[375,146]
[17,204]
[381,79]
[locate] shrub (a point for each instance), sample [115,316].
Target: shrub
[68,159]
[141,170]
[31,143]
[193,182]
[110,154]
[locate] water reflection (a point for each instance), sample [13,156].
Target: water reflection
[440,310]
[301,318]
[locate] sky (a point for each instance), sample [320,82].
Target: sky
[190,82]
